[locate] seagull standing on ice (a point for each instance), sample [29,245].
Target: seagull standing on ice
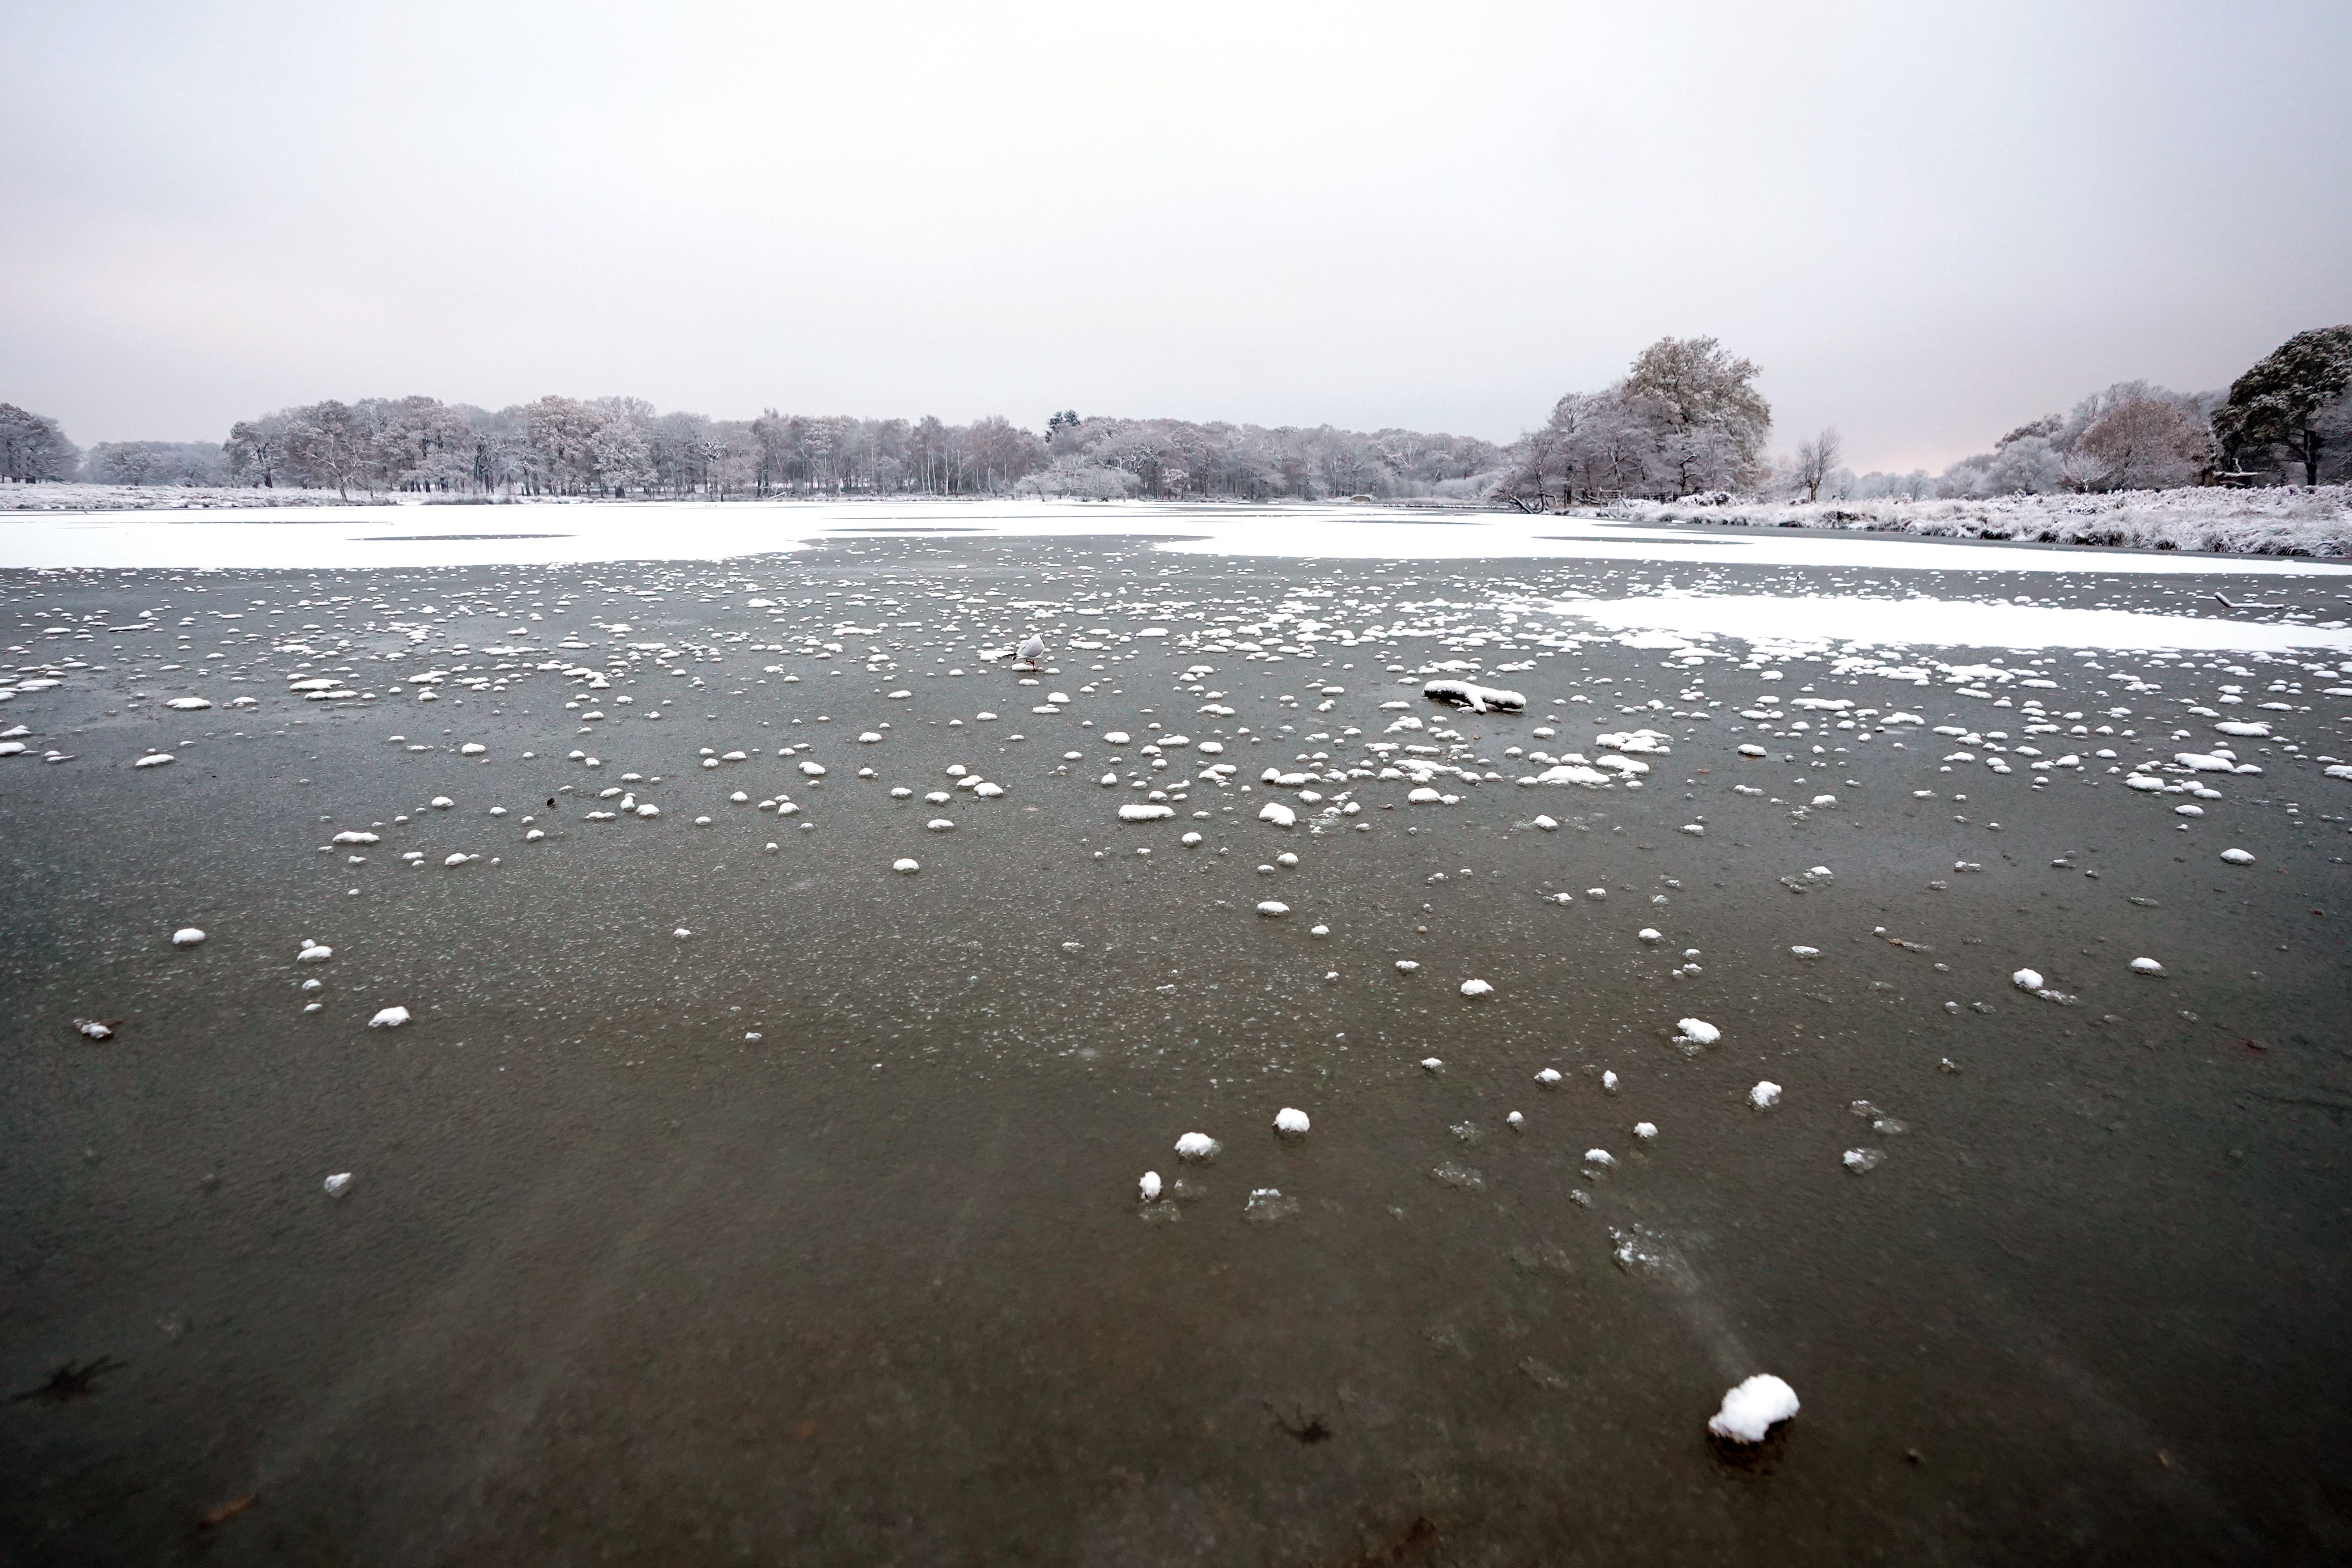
[1032,649]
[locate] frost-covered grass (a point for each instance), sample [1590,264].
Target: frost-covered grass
[2281,521]
[76,497]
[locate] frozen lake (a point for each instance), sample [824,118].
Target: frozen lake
[730,1193]
[581,532]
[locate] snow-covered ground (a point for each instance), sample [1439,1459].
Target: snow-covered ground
[2304,522]
[2287,521]
[79,497]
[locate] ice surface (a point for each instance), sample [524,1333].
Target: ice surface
[1945,623]
[1266,1205]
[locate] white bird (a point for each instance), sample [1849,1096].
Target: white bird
[1032,649]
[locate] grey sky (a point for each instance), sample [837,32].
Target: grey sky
[1927,223]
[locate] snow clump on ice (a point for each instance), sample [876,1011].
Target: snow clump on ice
[1197,1147]
[1753,1408]
[1290,1122]
[186,936]
[390,1017]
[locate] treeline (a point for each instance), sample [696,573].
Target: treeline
[625,447]
[1688,421]
[617,447]
[2286,421]
[1174,458]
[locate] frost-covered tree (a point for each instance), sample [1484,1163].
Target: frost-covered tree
[33,448]
[2293,399]
[330,445]
[2132,436]
[1713,420]
[171,463]
[2146,442]
[255,449]
[1687,417]
[619,457]
[1817,459]
[1075,478]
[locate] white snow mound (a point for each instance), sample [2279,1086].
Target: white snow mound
[1753,1408]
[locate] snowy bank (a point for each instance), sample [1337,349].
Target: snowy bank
[2283,520]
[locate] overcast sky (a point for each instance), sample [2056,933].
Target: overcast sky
[1927,223]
